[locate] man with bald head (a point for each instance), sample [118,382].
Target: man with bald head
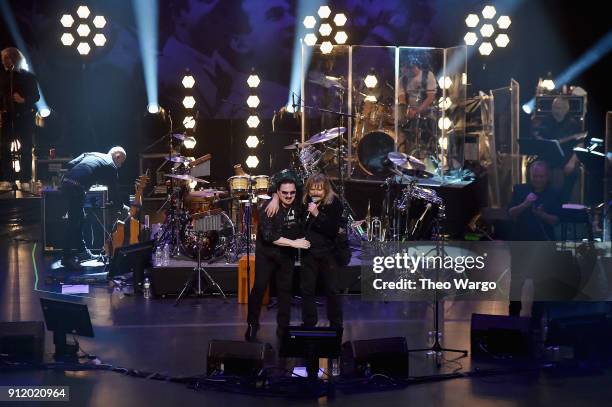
[558,126]
[84,171]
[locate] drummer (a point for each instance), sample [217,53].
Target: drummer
[416,95]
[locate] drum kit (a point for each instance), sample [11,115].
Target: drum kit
[318,153]
[192,224]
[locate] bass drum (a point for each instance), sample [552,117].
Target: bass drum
[372,152]
[205,241]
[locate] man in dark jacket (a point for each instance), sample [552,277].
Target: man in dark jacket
[18,94]
[278,237]
[321,227]
[84,171]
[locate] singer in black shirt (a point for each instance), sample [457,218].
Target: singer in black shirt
[534,210]
[323,220]
[18,94]
[278,237]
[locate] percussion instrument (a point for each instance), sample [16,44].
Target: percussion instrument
[261,184]
[238,184]
[418,210]
[309,157]
[372,153]
[178,159]
[326,135]
[186,177]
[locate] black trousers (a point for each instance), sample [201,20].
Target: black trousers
[265,266]
[74,199]
[24,133]
[324,266]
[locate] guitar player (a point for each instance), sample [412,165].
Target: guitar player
[84,171]
[565,128]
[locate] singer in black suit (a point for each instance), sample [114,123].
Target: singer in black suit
[18,94]
[323,220]
[534,210]
[278,237]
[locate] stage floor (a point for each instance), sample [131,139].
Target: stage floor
[153,335]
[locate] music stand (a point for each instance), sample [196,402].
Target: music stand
[311,344]
[594,161]
[134,258]
[551,149]
[64,318]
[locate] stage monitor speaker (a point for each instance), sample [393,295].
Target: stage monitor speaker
[235,357]
[499,336]
[22,341]
[54,221]
[388,356]
[588,335]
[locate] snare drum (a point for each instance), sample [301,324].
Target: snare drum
[238,184]
[261,184]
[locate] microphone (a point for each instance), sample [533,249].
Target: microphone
[295,112]
[311,199]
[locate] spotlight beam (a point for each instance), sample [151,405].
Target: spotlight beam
[588,59]
[304,8]
[146,13]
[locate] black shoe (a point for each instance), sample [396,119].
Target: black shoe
[85,255]
[250,335]
[70,263]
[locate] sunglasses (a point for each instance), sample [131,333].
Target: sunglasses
[290,193]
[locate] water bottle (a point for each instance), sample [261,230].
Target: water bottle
[158,256]
[335,367]
[166,255]
[146,292]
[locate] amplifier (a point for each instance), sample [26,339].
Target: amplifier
[23,341]
[54,218]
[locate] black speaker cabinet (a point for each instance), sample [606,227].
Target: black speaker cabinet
[235,357]
[388,356]
[499,336]
[54,219]
[23,341]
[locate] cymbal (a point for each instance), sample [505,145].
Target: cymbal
[295,145]
[326,81]
[207,193]
[178,159]
[326,135]
[179,136]
[406,161]
[186,177]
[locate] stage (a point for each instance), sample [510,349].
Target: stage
[153,335]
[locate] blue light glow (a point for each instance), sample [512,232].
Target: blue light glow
[147,16]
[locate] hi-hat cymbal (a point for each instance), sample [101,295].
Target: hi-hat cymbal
[295,145]
[406,161]
[186,177]
[178,159]
[179,136]
[326,135]
[207,193]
